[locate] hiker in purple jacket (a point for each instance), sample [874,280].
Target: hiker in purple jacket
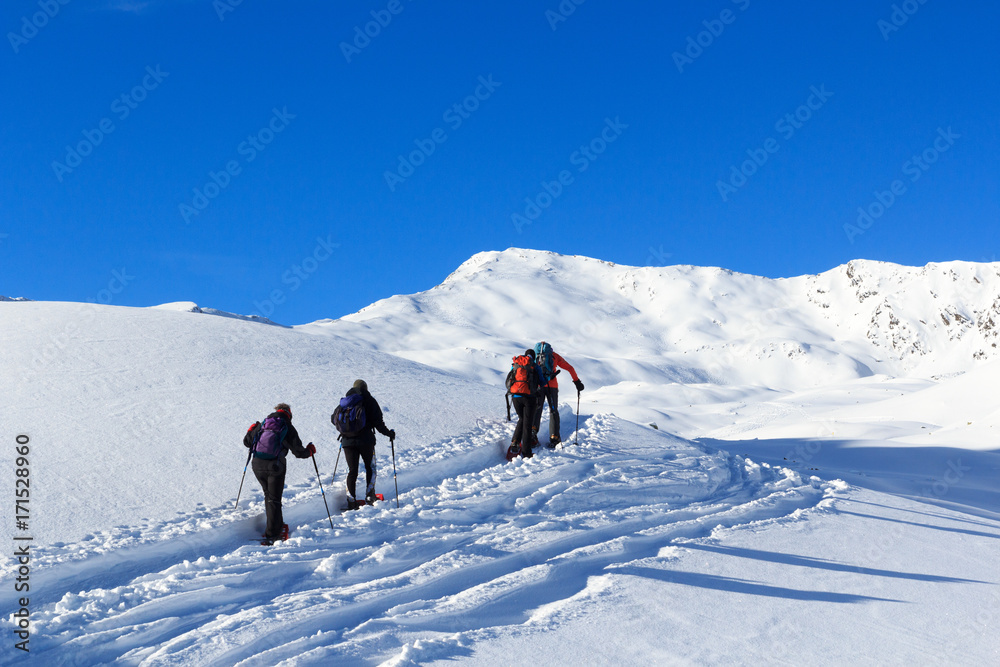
[271,442]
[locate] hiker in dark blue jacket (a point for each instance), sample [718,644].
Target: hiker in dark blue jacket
[271,442]
[362,446]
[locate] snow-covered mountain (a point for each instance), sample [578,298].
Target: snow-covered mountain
[820,485]
[694,324]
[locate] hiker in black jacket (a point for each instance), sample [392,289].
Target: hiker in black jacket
[525,379]
[362,445]
[269,464]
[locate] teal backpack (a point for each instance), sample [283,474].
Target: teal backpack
[544,359]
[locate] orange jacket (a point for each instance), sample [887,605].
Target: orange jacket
[559,362]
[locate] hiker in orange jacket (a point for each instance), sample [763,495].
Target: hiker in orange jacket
[551,362]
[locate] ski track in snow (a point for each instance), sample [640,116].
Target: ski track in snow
[478,548]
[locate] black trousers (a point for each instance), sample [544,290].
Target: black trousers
[551,394]
[525,408]
[271,475]
[365,452]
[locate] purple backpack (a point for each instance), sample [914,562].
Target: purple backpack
[349,416]
[272,434]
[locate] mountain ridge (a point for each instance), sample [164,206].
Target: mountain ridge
[861,318]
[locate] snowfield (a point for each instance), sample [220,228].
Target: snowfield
[766,472]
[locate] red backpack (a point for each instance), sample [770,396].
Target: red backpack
[522,378]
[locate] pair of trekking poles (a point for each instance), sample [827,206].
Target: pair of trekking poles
[576,435]
[392,444]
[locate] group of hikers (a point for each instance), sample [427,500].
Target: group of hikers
[356,418]
[530,383]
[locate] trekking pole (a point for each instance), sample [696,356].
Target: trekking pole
[318,479]
[249,454]
[576,436]
[506,398]
[392,444]
[332,479]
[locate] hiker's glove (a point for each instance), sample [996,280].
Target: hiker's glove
[392,434]
[579,385]
[311,448]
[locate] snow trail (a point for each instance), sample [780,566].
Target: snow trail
[476,547]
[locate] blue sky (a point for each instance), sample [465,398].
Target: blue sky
[246,156]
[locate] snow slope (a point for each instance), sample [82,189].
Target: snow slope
[813,490]
[122,400]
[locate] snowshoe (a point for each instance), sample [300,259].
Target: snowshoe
[267,541]
[352,505]
[513,451]
[371,499]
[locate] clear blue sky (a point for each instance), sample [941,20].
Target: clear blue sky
[661,132]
